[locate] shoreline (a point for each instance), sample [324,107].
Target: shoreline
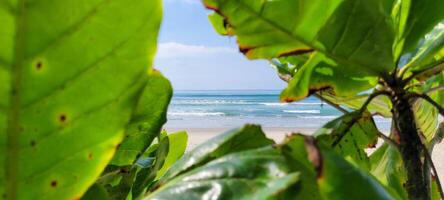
[197,136]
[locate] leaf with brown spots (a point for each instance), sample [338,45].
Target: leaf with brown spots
[71,73]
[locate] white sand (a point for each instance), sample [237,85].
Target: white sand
[197,136]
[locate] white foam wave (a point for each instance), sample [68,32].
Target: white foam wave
[308,103]
[320,117]
[274,104]
[208,102]
[302,111]
[284,104]
[196,113]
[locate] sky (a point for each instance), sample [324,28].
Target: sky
[194,57]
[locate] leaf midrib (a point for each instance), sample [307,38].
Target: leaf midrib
[13,126]
[301,40]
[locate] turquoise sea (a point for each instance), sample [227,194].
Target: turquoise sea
[224,109]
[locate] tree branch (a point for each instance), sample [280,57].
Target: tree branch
[371,97]
[431,68]
[287,79]
[388,140]
[435,89]
[432,166]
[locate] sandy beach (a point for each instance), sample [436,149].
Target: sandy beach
[197,136]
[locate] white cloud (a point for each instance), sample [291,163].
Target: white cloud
[178,50]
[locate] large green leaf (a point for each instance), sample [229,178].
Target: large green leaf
[248,137]
[146,175]
[294,148]
[177,147]
[349,135]
[426,114]
[146,121]
[354,33]
[415,18]
[71,73]
[429,58]
[387,167]
[320,73]
[334,177]
[340,180]
[288,66]
[380,105]
[253,174]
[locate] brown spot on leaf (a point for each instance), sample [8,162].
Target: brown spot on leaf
[62,118]
[32,143]
[210,7]
[90,156]
[245,49]
[315,89]
[54,183]
[288,99]
[39,65]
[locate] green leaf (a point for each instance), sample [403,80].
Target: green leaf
[340,180]
[71,73]
[387,167]
[177,147]
[295,150]
[146,121]
[321,73]
[426,114]
[96,192]
[252,174]
[435,195]
[248,137]
[429,59]
[146,176]
[218,23]
[349,135]
[415,18]
[380,105]
[123,188]
[333,177]
[354,33]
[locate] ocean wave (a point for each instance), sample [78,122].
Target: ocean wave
[274,104]
[302,111]
[210,102]
[196,113]
[284,104]
[320,117]
[308,103]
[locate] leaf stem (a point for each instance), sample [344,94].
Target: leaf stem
[338,107]
[13,123]
[432,166]
[371,97]
[388,140]
[435,89]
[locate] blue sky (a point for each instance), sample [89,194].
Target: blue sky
[194,57]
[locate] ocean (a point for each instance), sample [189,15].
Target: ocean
[227,109]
